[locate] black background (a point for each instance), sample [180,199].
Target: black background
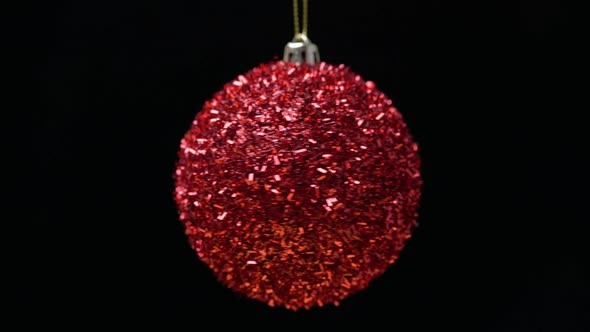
[482,85]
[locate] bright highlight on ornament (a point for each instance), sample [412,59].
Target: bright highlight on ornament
[298,184]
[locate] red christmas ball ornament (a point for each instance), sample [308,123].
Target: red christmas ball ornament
[298,184]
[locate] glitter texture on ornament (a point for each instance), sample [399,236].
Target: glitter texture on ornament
[298,184]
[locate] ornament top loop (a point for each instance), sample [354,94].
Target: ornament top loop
[301,49]
[301,37]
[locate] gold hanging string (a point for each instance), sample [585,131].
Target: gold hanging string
[300,49]
[304,30]
[300,34]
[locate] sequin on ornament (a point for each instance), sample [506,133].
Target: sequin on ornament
[298,185]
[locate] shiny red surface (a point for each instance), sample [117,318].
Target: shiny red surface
[298,185]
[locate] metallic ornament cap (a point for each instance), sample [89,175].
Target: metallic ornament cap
[301,50]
